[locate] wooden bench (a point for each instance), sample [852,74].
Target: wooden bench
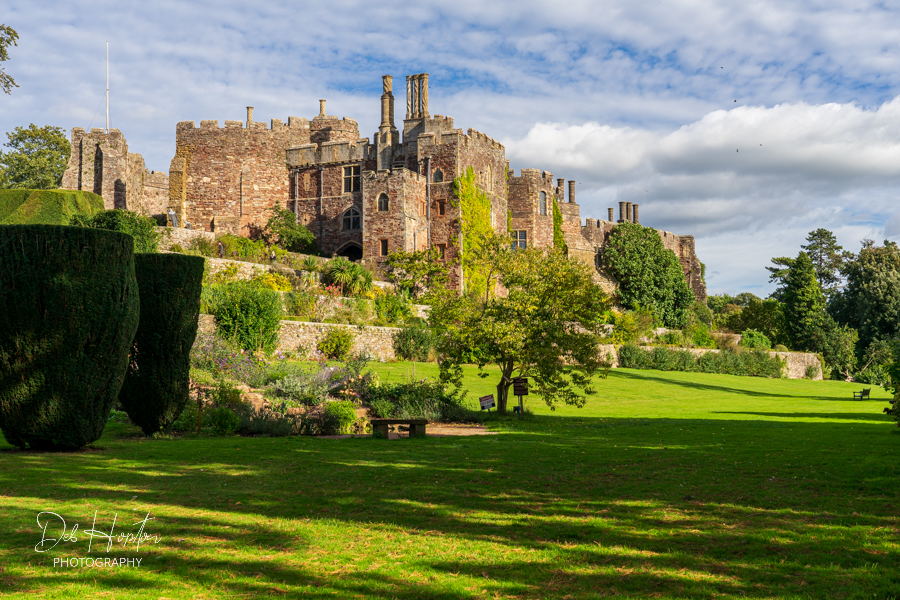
[863,395]
[380,427]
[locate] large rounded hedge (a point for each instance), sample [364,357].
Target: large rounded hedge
[68,312]
[157,385]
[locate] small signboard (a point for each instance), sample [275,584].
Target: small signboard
[487,402]
[520,386]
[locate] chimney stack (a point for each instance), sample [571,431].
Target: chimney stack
[611,216]
[571,191]
[321,108]
[561,188]
[249,115]
[628,211]
[621,212]
[634,214]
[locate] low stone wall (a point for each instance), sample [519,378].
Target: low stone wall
[181,236]
[794,367]
[300,336]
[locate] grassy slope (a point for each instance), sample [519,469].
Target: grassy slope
[668,485]
[48,207]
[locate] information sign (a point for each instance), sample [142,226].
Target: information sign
[520,386]
[487,402]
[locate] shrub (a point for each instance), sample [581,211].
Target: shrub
[46,207]
[141,228]
[413,343]
[220,357]
[157,382]
[284,230]
[269,422]
[337,343]
[68,313]
[632,326]
[305,388]
[812,371]
[780,348]
[755,363]
[223,421]
[754,339]
[337,416]
[117,416]
[273,281]
[205,247]
[352,278]
[247,314]
[417,400]
[633,357]
[873,375]
[392,308]
[671,338]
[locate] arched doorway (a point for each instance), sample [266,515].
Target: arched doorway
[351,251]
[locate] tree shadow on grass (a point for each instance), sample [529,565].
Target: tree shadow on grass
[620,510]
[730,389]
[881,418]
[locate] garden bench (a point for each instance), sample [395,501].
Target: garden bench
[416,426]
[863,395]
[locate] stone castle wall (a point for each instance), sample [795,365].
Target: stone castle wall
[99,162]
[227,179]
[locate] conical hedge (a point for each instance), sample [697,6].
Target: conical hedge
[157,384]
[68,313]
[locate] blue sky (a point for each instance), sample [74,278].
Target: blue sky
[744,125]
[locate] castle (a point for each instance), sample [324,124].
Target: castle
[361,199]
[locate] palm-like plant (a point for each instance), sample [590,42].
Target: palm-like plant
[351,277]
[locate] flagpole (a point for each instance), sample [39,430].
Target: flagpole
[107,86]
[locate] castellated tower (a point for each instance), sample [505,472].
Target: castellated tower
[100,162]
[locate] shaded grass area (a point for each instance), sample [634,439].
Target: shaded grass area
[666,485]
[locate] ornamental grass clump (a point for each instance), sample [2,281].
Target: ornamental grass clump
[157,383]
[68,314]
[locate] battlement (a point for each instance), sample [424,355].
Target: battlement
[325,153]
[478,136]
[207,124]
[533,175]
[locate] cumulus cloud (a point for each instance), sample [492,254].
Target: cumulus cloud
[635,101]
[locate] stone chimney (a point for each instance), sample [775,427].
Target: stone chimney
[249,115]
[621,212]
[321,108]
[611,216]
[571,191]
[634,214]
[628,211]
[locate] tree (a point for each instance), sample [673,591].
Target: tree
[36,160]
[828,258]
[284,230]
[140,227]
[764,316]
[415,273]
[649,275]
[8,37]
[547,327]
[777,275]
[804,304]
[870,302]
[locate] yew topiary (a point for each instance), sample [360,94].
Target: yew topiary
[157,383]
[68,312]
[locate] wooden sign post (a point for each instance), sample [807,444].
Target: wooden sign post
[520,388]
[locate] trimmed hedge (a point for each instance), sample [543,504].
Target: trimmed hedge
[753,363]
[68,312]
[46,207]
[157,383]
[141,228]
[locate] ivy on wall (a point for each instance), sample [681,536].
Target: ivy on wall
[559,240]
[475,221]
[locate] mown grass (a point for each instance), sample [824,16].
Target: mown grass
[666,485]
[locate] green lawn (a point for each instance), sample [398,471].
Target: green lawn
[666,485]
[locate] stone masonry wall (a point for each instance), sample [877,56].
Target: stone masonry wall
[99,162]
[233,175]
[297,336]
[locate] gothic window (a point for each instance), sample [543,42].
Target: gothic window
[543,204]
[441,208]
[383,203]
[351,179]
[438,176]
[519,239]
[352,220]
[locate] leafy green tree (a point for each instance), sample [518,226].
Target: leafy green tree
[870,303]
[547,327]
[649,275]
[36,159]
[777,275]
[804,304]
[764,316]
[837,345]
[8,37]
[415,273]
[284,230]
[140,227]
[828,257]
